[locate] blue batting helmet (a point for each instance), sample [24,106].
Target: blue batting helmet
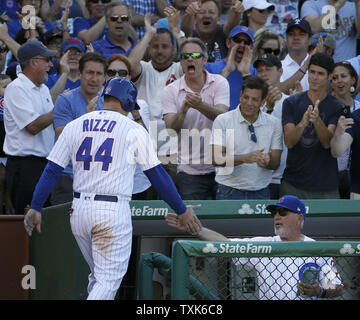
[123,90]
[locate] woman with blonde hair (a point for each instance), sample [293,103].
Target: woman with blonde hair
[266,42]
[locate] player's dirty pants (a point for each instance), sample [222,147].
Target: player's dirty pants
[103,231]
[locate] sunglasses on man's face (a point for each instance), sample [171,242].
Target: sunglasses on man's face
[123,18]
[281,211]
[263,10]
[97,1]
[3,49]
[275,52]
[120,73]
[194,55]
[247,42]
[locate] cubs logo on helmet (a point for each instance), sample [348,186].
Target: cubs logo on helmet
[123,90]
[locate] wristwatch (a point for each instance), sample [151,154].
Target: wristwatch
[181,34]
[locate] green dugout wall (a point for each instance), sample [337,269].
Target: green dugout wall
[61,271]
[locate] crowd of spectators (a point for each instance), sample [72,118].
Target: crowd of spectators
[247,99]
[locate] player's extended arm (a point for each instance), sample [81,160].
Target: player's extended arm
[205,233]
[163,184]
[46,184]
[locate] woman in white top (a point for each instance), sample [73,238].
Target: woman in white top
[343,82]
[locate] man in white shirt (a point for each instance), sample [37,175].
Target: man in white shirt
[151,78]
[251,141]
[298,39]
[269,69]
[280,278]
[28,115]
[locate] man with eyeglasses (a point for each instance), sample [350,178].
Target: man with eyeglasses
[282,278]
[118,39]
[237,63]
[190,105]
[246,146]
[73,104]
[28,118]
[67,78]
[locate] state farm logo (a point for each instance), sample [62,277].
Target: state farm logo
[245,209]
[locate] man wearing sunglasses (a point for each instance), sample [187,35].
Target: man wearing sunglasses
[280,278]
[118,39]
[237,63]
[190,105]
[246,146]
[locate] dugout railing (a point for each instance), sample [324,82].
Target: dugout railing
[62,273]
[239,270]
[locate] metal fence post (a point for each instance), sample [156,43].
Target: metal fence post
[179,273]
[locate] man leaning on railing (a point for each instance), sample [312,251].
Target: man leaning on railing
[283,278]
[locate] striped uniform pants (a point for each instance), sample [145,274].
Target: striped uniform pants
[103,231]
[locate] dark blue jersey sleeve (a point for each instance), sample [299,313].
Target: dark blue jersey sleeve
[46,184]
[163,184]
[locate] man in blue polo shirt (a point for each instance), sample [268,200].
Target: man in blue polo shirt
[73,104]
[237,63]
[118,39]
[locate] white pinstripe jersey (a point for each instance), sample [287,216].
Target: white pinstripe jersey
[104,146]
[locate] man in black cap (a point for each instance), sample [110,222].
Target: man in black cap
[309,120]
[28,117]
[298,39]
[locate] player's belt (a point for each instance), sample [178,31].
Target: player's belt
[99,197]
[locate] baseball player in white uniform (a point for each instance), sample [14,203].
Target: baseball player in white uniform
[104,147]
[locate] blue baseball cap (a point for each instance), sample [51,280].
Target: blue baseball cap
[291,203]
[72,42]
[241,29]
[123,90]
[32,48]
